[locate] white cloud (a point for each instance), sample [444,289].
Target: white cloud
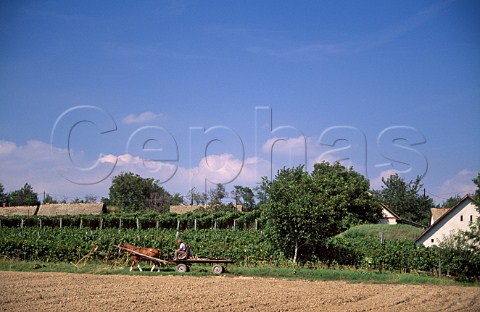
[142,118]
[460,184]
[40,165]
[210,170]
[7,147]
[377,183]
[289,146]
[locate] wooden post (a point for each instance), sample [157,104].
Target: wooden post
[120,223]
[61,222]
[101,223]
[21,224]
[158,224]
[195,224]
[234,224]
[256,224]
[138,223]
[40,222]
[81,223]
[178,224]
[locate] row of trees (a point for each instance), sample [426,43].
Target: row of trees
[131,192]
[26,196]
[21,197]
[304,209]
[301,210]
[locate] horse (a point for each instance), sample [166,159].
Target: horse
[151,252]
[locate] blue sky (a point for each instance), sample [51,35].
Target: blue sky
[195,93]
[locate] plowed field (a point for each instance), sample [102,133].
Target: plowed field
[79,292]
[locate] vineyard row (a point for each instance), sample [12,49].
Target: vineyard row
[197,221]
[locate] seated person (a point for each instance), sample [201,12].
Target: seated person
[181,253]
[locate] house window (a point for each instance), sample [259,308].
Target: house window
[471,218]
[432,240]
[461,218]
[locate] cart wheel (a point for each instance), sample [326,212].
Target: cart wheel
[182,268]
[218,269]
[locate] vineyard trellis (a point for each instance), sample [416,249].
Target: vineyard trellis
[196,221]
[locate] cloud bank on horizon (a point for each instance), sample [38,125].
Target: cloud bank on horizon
[49,168]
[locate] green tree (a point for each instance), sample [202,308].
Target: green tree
[77,200]
[49,199]
[217,194]
[476,196]
[89,198]
[405,199]
[260,194]
[193,196]
[131,192]
[106,201]
[236,194]
[450,202]
[461,252]
[3,196]
[248,198]
[302,210]
[176,199]
[23,197]
[243,196]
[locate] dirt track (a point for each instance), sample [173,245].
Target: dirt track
[79,292]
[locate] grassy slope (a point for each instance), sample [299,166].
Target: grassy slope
[392,232]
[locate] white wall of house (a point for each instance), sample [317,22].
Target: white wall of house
[459,218]
[387,218]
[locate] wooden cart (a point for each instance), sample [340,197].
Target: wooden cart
[183,265]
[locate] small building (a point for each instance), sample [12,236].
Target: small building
[181,209]
[55,209]
[388,216]
[457,218]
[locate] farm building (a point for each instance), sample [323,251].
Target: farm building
[181,209]
[55,209]
[388,216]
[457,218]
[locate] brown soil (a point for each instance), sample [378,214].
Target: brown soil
[78,292]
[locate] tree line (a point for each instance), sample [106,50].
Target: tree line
[300,210]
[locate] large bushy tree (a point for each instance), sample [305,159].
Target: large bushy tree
[131,192]
[302,209]
[406,199]
[23,197]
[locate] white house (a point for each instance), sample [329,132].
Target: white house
[454,219]
[388,216]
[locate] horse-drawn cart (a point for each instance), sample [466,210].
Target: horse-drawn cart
[183,265]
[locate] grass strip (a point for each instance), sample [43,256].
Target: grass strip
[350,276]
